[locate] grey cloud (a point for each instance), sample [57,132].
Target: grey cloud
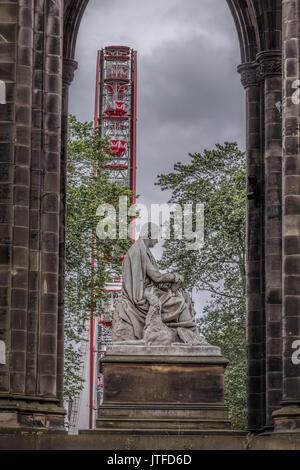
[189,93]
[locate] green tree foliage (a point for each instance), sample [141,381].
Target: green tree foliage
[85,284]
[216,178]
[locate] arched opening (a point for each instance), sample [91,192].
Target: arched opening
[38,41]
[187,100]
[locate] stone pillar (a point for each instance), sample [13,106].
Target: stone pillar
[263,83]
[288,417]
[8,71]
[270,73]
[255,250]
[30,145]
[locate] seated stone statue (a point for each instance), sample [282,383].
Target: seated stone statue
[153,307]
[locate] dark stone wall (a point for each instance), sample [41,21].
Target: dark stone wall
[31,147]
[8,71]
[130,441]
[269,35]
[255,259]
[263,83]
[291,198]
[273,236]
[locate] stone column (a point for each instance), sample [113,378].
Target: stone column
[270,72]
[8,71]
[255,250]
[50,198]
[288,417]
[30,144]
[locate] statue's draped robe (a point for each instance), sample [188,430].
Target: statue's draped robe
[141,290]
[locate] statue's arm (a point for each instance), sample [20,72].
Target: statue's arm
[156,276]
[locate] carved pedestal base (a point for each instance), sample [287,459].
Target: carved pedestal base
[163,393]
[26,412]
[287,419]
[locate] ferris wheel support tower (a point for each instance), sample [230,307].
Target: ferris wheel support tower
[116,116]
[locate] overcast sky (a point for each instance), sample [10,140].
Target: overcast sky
[189,92]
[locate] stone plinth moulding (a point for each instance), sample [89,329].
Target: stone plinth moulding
[167,389]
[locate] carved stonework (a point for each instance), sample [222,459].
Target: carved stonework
[153,309]
[249,74]
[253,73]
[69,67]
[270,63]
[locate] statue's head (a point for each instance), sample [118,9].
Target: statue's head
[150,234]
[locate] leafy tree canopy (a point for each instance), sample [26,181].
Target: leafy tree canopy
[216,178]
[88,186]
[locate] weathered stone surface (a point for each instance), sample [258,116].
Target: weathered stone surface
[31,44]
[140,348]
[153,306]
[287,418]
[163,392]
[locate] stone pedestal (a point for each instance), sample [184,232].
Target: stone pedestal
[287,419]
[177,389]
[18,412]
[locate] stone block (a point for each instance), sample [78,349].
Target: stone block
[292,146]
[291,306]
[255,351]
[20,236]
[6,152]
[51,204]
[23,115]
[291,67]
[274,364]
[25,36]
[274,330]
[165,393]
[21,196]
[25,17]
[50,222]
[292,384]
[53,83]
[24,75]
[18,319]
[50,262]
[50,242]
[23,135]
[48,344]
[5,254]
[7,72]
[25,56]
[8,12]
[18,364]
[292,285]
[49,303]
[20,257]
[48,382]
[274,295]
[48,323]
[274,347]
[52,183]
[33,301]
[18,340]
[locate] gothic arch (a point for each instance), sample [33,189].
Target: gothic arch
[73,12]
[33,134]
[258,26]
